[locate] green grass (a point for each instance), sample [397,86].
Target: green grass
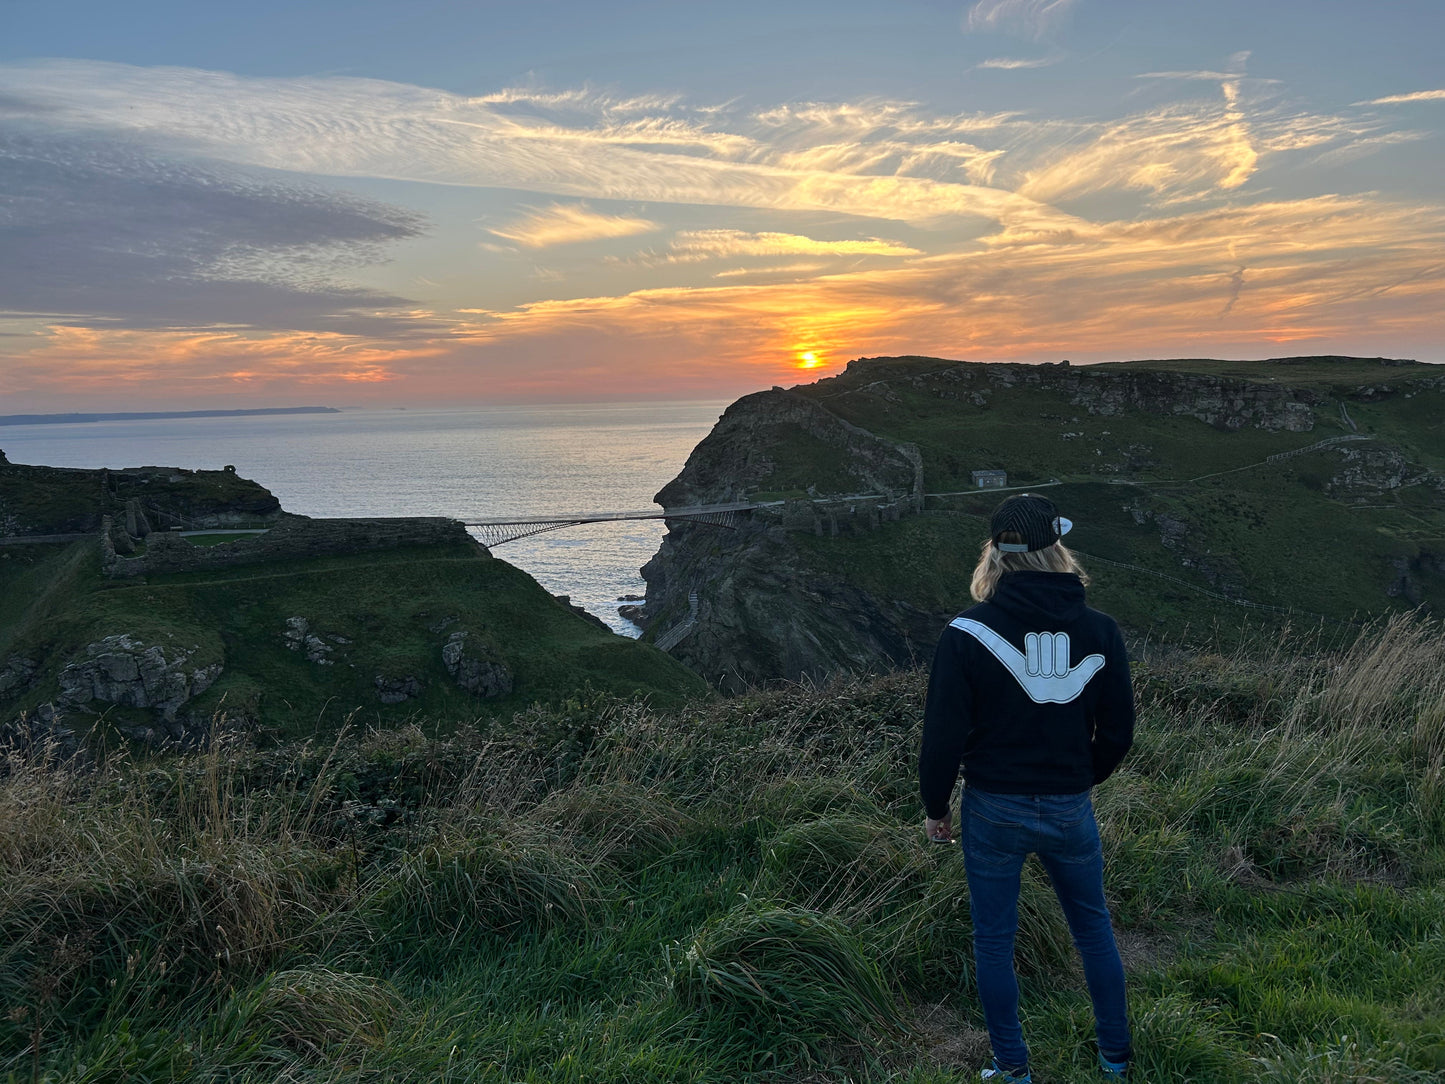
[602,891]
[206,540]
[385,614]
[1158,499]
[1316,372]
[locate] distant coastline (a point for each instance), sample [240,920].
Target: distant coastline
[152,415]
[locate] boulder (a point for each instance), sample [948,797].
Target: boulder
[16,675]
[395,690]
[301,639]
[122,670]
[476,669]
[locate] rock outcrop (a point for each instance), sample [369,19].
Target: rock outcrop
[16,675]
[475,667]
[300,637]
[121,670]
[1368,470]
[396,690]
[762,613]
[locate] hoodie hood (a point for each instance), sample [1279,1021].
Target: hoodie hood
[1040,599]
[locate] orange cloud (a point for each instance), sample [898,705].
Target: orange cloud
[1329,270]
[723,243]
[175,364]
[1352,274]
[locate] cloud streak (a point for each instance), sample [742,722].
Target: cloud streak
[722,244]
[1005,63]
[1417,96]
[123,364]
[567,224]
[1029,18]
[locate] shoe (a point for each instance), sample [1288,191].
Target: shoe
[1113,1070]
[1003,1076]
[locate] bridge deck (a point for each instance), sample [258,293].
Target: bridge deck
[496,532]
[609,517]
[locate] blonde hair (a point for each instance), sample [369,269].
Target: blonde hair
[993,563]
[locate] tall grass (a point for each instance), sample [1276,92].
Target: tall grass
[601,891]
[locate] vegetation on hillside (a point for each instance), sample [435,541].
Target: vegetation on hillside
[1167,496]
[603,891]
[39,500]
[380,616]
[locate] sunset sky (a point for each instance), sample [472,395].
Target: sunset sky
[430,202]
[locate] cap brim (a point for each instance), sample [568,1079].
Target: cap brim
[1064,526]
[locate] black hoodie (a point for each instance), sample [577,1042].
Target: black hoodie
[1030,691]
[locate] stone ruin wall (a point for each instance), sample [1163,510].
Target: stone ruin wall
[830,517]
[291,538]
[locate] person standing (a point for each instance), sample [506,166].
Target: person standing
[1030,694]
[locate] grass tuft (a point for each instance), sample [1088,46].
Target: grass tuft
[782,982]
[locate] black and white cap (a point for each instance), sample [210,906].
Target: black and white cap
[1032,518]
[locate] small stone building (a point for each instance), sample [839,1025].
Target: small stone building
[990,479]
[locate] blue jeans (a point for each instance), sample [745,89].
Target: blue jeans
[997,832]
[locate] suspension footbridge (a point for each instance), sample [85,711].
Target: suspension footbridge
[496,532]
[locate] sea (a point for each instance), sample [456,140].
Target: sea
[500,462]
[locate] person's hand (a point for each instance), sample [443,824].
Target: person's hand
[941,830]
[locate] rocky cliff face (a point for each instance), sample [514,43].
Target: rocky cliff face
[761,613]
[777,441]
[753,611]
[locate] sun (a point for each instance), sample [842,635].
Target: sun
[808,359]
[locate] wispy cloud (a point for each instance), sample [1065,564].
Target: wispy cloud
[1008,63]
[581,149]
[1205,76]
[1365,145]
[1029,18]
[1417,96]
[725,243]
[770,269]
[700,246]
[565,224]
[1170,152]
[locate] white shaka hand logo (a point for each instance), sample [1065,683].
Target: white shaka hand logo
[1042,667]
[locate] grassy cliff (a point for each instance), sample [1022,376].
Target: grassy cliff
[601,891]
[298,646]
[1204,494]
[1342,530]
